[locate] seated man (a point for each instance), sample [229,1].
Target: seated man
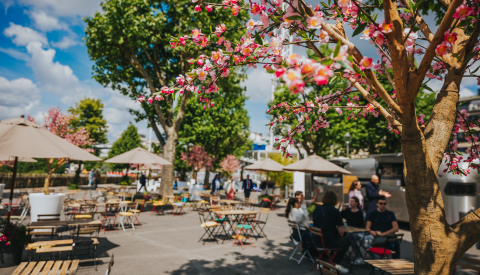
[381,222]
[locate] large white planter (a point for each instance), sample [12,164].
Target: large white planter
[45,204]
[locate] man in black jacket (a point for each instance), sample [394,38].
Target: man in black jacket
[247,187]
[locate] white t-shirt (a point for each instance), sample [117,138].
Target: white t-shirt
[358,194]
[301,217]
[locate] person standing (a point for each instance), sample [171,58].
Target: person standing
[97,176]
[143,180]
[373,193]
[355,192]
[91,177]
[247,187]
[230,189]
[215,184]
[329,220]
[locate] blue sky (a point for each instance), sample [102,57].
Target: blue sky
[44,64]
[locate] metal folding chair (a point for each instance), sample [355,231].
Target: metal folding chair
[329,252]
[382,250]
[297,243]
[245,229]
[260,224]
[326,268]
[126,216]
[110,216]
[137,211]
[209,226]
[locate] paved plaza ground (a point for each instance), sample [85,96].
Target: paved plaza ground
[165,244]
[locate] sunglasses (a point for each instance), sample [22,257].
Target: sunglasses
[382,203]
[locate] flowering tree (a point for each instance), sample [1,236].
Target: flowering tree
[230,164]
[198,159]
[59,124]
[406,45]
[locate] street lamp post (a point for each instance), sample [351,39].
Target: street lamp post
[347,137]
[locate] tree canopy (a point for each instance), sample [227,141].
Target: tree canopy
[89,113]
[130,139]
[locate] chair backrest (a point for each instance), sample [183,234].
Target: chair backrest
[79,228]
[48,217]
[264,212]
[112,208]
[249,217]
[326,268]
[318,232]
[294,228]
[201,215]
[110,264]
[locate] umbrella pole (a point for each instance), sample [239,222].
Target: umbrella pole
[138,167]
[12,187]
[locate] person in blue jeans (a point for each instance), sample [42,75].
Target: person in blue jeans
[382,222]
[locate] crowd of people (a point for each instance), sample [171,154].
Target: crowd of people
[367,212]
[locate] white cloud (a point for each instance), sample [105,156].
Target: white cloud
[19,96]
[259,85]
[46,23]
[53,76]
[65,7]
[66,42]
[22,36]
[16,54]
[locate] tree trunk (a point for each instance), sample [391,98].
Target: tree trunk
[49,176]
[169,154]
[207,177]
[437,245]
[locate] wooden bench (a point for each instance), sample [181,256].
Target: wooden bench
[466,263]
[392,266]
[45,268]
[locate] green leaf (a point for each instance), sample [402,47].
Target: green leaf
[467,58]
[475,70]
[428,88]
[412,4]
[456,56]
[415,7]
[300,9]
[295,17]
[405,10]
[359,29]
[345,65]
[258,39]
[325,5]
[328,62]
[332,79]
[337,49]
[357,69]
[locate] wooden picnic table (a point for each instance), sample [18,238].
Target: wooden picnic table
[230,202]
[64,223]
[50,267]
[392,266]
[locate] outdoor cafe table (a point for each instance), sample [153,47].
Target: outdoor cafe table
[63,223]
[52,267]
[352,230]
[231,202]
[237,215]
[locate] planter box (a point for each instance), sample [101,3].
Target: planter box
[45,204]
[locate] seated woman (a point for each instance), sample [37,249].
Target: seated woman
[354,217]
[295,213]
[329,220]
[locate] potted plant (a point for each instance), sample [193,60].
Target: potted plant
[12,240]
[59,124]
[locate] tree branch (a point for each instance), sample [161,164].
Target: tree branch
[420,22]
[160,138]
[182,110]
[430,52]
[466,231]
[160,114]
[398,53]
[377,105]
[370,76]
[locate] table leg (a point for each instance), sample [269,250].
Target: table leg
[359,251]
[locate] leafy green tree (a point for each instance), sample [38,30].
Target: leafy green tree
[130,139]
[367,132]
[89,114]
[222,130]
[129,44]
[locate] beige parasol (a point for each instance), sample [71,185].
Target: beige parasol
[22,159]
[268,165]
[20,138]
[138,156]
[315,164]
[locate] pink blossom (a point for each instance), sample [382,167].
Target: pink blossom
[202,75]
[235,10]
[209,8]
[462,12]
[366,63]
[198,8]
[450,38]
[442,49]
[386,28]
